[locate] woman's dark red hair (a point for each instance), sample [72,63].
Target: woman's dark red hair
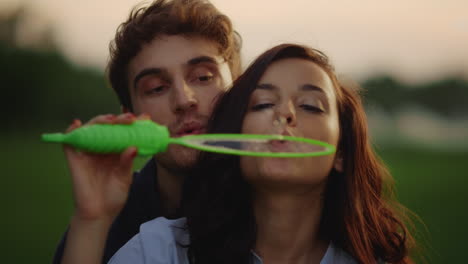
[360,214]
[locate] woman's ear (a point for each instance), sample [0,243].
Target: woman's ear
[338,162]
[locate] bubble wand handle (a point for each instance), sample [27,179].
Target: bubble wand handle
[148,137]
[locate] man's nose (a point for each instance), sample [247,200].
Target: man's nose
[184,98]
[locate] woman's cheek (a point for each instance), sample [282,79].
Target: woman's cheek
[258,122]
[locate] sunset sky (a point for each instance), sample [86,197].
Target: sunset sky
[414,40]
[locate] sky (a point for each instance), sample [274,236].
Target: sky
[415,40]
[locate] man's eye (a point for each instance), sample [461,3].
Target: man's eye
[155,90]
[311,108]
[205,78]
[259,107]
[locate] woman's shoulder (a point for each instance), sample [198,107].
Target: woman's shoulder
[169,230]
[160,240]
[335,254]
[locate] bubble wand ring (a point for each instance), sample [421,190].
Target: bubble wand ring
[186,141]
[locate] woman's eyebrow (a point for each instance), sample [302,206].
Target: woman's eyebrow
[267,86]
[311,87]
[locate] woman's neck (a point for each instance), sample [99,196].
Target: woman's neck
[287,227]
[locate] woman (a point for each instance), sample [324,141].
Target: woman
[329,209]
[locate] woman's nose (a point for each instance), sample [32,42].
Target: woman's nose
[287,114]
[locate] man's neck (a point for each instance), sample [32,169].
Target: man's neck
[288,227]
[170,189]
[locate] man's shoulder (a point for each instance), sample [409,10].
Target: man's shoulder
[143,191]
[147,175]
[143,200]
[142,205]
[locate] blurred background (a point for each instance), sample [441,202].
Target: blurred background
[411,58]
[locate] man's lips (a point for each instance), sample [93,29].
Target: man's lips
[190,128]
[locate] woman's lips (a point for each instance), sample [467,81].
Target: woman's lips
[279,145]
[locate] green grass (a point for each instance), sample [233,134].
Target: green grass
[36,197]
[432,184]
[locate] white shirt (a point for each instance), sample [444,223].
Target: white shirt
[162,241]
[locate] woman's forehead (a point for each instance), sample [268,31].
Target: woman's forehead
[294,73]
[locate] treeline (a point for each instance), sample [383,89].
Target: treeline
[41,89]
[447,97]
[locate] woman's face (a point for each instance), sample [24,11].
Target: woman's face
[294,97]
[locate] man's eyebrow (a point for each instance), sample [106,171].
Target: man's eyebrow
[202,59]
[145,72]
[311,87]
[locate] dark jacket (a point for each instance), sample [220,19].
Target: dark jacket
[143,204]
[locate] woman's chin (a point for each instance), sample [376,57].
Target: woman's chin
[286,170]
[284,173]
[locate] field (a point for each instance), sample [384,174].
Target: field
[36,198]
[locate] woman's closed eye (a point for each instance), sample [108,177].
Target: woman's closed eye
[262,106]
[311,108]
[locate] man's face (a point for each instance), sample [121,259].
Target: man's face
[176,79]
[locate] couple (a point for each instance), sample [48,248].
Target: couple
[174,62]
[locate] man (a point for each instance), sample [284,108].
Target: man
[169,60]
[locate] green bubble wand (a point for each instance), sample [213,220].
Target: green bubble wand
[151,138]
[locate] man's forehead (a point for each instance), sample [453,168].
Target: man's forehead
[174,52]
[174,55]
[170,71]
